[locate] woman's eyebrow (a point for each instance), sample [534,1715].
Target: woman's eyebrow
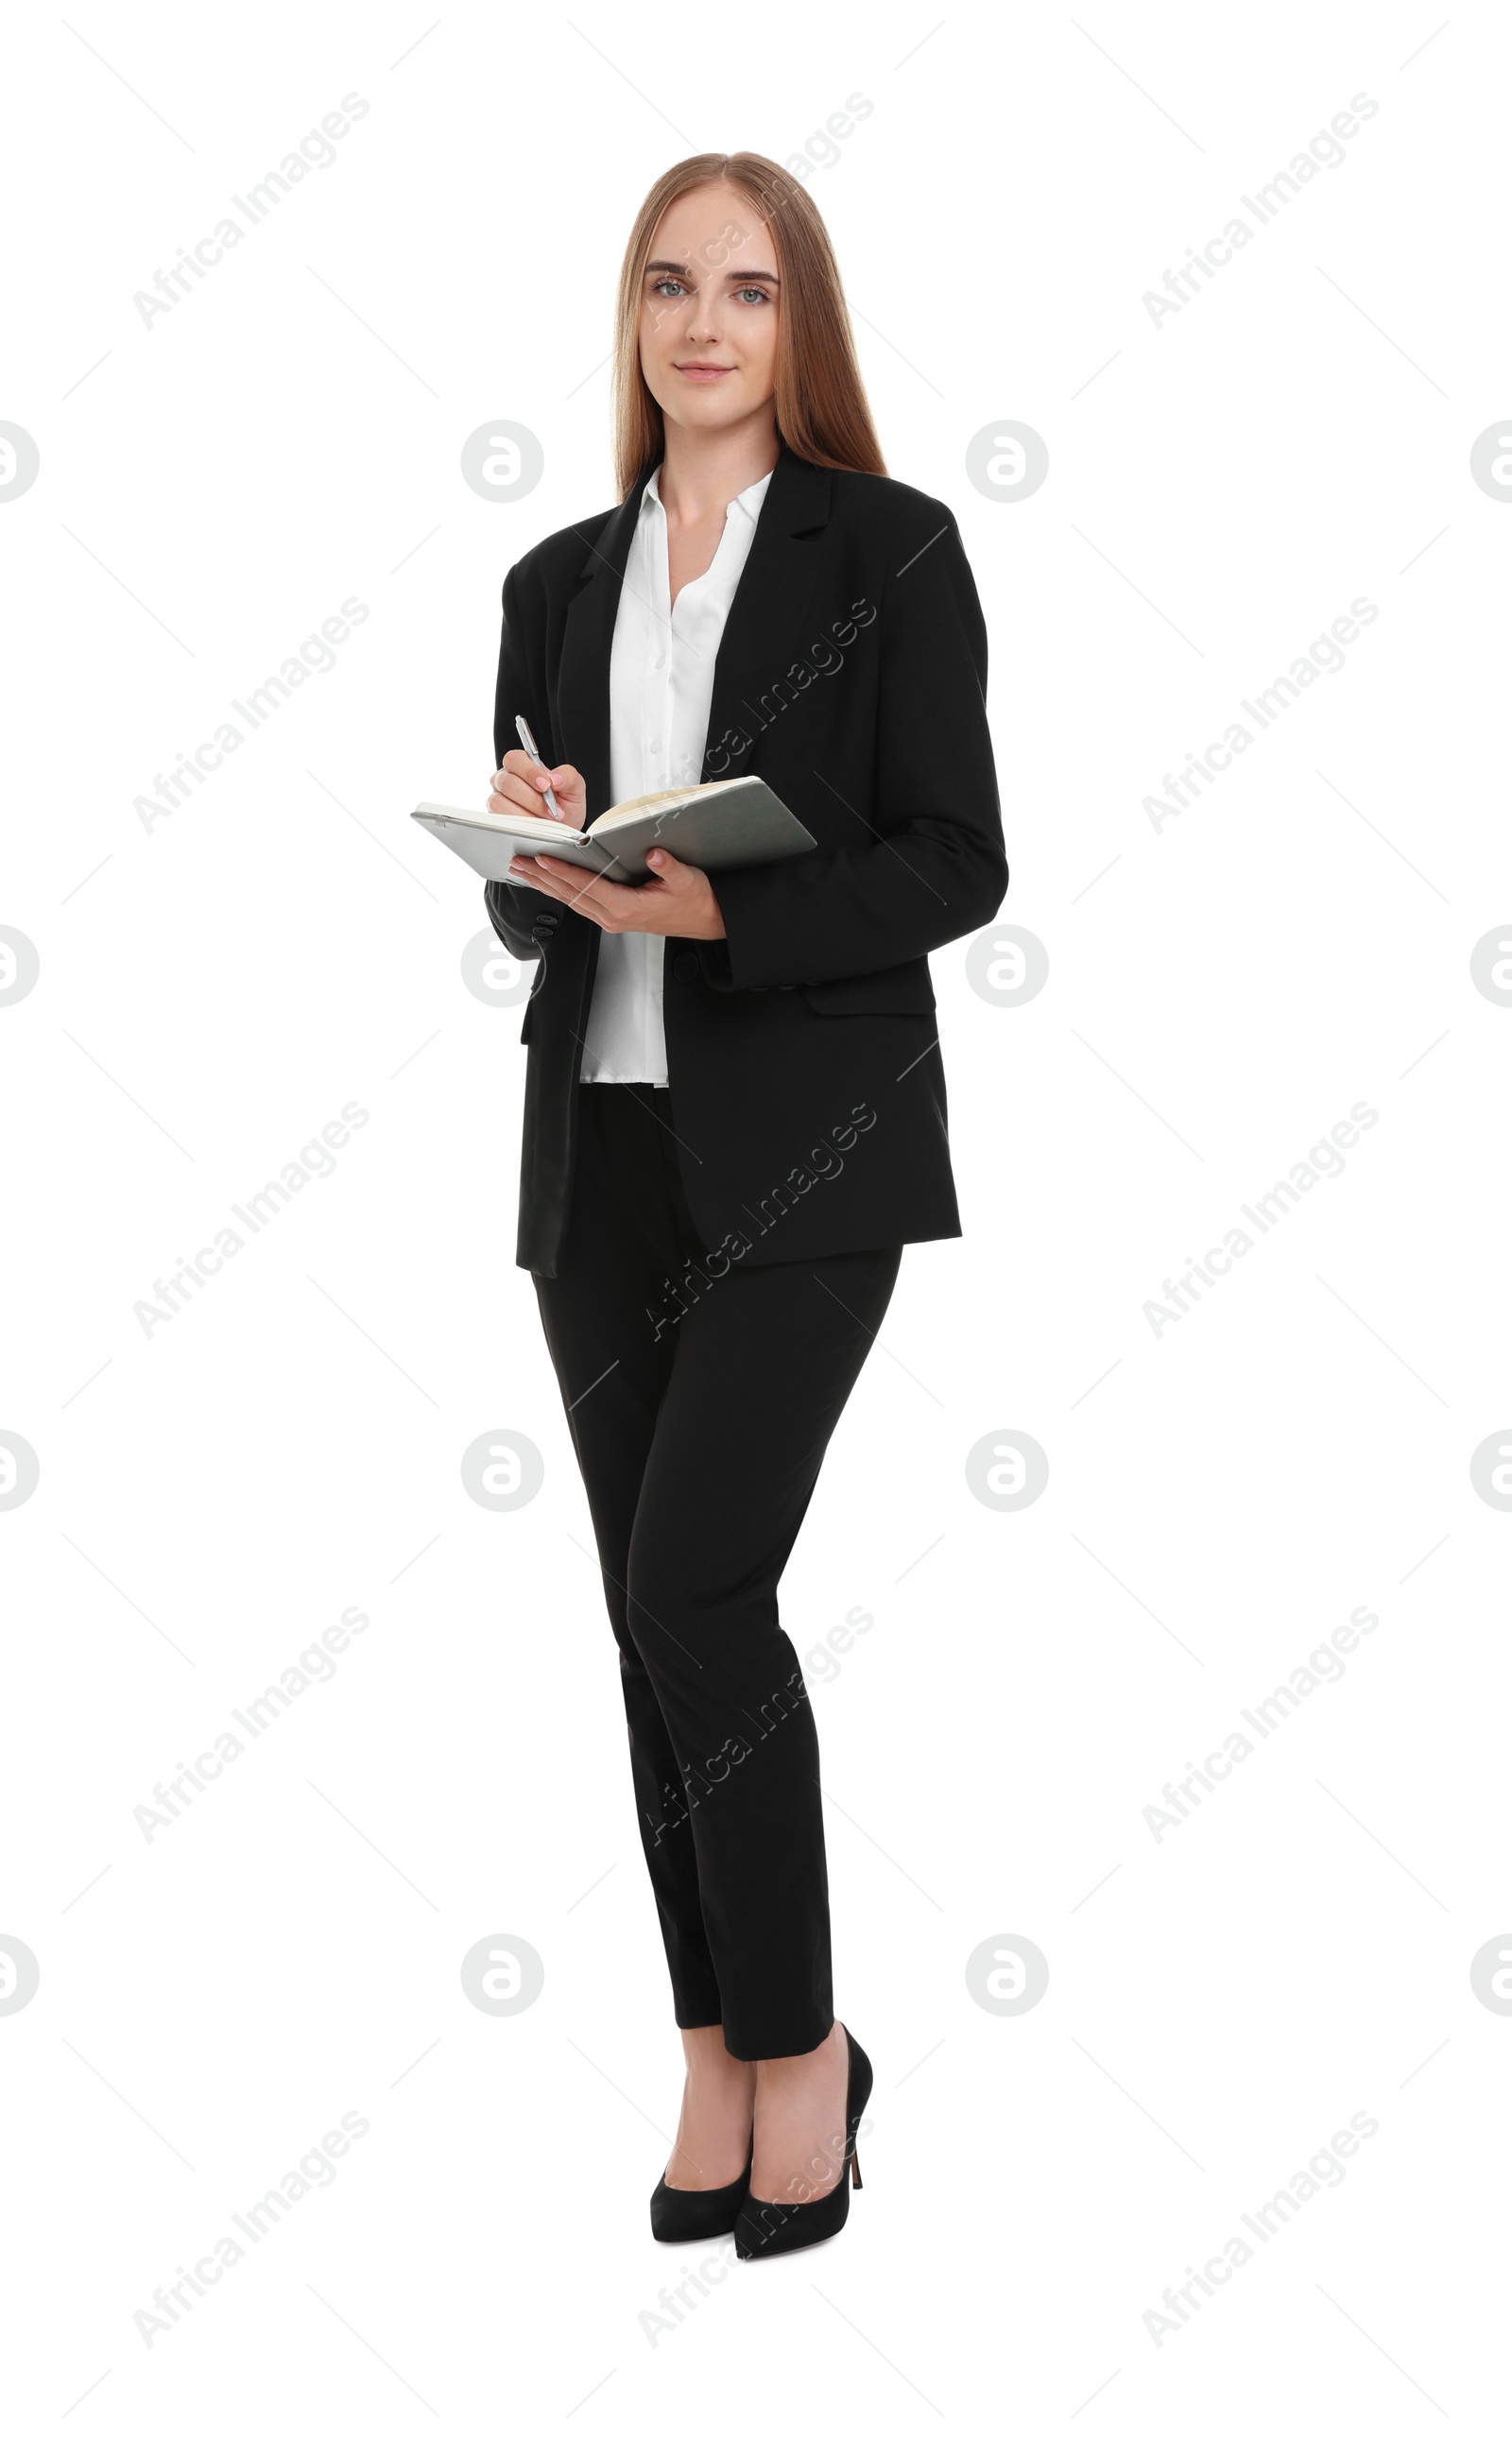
[682,271]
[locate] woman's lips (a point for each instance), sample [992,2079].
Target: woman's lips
[705,372]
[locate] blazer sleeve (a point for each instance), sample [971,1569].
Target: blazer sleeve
[515,912]
[926,862]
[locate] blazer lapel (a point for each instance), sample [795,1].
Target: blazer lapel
[769,612]
[583,671]
[761,633]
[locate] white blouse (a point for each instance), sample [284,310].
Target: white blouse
[661,680]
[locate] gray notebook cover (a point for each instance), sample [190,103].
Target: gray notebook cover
[747,823]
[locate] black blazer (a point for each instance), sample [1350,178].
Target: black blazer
[808,1099]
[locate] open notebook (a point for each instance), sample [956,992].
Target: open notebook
[721,823]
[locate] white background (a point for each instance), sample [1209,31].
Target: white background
[1221,1497]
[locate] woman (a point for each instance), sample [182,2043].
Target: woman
[735,1111]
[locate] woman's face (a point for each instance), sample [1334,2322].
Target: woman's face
[709,308]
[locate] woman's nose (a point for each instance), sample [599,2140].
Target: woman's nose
[703,321]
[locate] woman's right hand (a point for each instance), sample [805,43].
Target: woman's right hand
[518,787]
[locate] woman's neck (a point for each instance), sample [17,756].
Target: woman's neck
[702,472]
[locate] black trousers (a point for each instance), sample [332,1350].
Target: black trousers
[700,1406]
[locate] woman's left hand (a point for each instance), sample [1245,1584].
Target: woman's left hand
[679,902]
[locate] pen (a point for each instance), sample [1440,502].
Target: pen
[534,750]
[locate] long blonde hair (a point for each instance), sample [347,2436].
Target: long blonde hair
[821,402]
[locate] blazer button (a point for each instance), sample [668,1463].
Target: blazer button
[684,967]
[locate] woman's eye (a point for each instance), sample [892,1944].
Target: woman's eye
[666,281]
[760,293]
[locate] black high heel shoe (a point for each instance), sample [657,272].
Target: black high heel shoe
[763,2228]
[677,2217]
